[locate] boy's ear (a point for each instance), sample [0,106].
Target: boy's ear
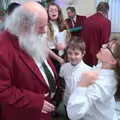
[83,53]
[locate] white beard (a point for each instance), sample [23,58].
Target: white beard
[35,46]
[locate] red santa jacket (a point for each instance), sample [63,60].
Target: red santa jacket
[22,86]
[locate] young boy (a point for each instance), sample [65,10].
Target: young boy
[72,70]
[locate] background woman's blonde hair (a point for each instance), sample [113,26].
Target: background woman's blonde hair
[60,21]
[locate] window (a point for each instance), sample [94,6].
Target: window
[114,13]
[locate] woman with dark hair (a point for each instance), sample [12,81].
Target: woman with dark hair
[93,99]
[103,7]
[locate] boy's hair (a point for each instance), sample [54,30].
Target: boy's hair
[76,43]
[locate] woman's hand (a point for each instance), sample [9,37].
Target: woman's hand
[88,78]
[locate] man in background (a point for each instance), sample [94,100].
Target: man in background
[96,32]
[4,14]
[74,21]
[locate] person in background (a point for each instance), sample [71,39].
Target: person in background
[57,33]
[72,70]
[96,32]
[93,99]
[28,79]
[75,21]
[12,5]
[2,18]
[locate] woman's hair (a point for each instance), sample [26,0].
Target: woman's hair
[60,21]
[103,7]
[116,49]
[76,43]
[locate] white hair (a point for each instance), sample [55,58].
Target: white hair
[23,20]
[20,20]
[35,45]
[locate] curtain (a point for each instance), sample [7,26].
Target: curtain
[114,13]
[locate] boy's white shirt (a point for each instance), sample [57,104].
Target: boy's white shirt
[95,102]
[71,75]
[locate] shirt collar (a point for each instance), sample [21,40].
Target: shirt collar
[79,64]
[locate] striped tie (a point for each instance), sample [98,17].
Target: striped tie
[50,78]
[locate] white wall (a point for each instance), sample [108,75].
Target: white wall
[83,7]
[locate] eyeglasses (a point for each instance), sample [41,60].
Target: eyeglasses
[53,10]
[109,48]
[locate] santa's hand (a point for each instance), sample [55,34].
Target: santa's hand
[88,78]
[60,46]
[47,107]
